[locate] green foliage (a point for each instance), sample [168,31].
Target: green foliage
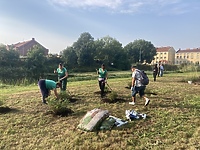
[69,56]
[140,51]
[189,68]
[36,62]
[112,96]
[64,96]
[193,78]
[60,106]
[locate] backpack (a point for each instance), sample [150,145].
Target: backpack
[144,78]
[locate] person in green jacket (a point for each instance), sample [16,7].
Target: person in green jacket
[62,76]
[45,86]
[103,76]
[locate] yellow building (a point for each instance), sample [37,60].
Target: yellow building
[164,55]
[188,56]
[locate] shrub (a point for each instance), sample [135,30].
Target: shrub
[112,96]
[59,106]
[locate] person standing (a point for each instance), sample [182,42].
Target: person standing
[158,69]
[155,72]
[161,70]
[62,76]
[103,76]
[137,86]
[45,86]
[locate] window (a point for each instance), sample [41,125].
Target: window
[177,57]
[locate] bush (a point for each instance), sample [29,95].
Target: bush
[112,96]
[59,107]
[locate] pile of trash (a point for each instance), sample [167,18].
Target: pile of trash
[98,119]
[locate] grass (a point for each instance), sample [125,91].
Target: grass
[172,117]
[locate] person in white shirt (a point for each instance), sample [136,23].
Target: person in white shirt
[137,86]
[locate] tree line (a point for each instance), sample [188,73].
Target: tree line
[85,54]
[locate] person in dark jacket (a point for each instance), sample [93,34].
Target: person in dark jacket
[155,72]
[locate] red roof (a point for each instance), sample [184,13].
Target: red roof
[188,50]
[163,49]
[20,44]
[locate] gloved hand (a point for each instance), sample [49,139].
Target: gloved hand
[132,88]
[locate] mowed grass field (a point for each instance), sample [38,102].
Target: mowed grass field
[172,123]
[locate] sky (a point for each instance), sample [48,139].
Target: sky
[57,24]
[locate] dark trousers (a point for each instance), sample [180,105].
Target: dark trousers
[63,84]
[154,76]
[102,86]
[43,89]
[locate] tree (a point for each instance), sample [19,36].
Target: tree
[110,52]
[69,57]
[8,58]
[36,62]
[140,51]
[84,49]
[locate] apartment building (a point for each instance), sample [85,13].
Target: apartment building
[187,56]
[164,55]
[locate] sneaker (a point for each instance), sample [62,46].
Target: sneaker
[131,103]
[147,101]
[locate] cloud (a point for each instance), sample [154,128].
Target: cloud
[128,6]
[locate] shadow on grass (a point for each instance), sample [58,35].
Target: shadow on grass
[4,110]
[107,100]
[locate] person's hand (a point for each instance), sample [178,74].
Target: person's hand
[132,88]
[105,81]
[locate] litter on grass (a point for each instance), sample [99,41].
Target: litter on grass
[131,115]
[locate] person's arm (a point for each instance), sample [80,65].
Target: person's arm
[66,75]
[55,92]
[97,71]
[133,82]
[55,71]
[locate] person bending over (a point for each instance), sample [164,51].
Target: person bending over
[45,86]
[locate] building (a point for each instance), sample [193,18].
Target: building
[188,56]
[164,55]
[24,47]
